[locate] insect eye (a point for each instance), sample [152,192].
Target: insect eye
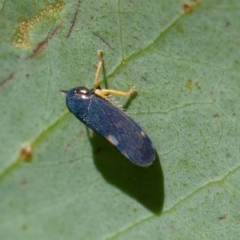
[82,91]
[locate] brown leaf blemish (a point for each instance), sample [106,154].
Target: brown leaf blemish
[43,44]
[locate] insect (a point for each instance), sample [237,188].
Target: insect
[95,109]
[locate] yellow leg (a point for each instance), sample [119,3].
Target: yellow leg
[120,93]
[99,67]
[104,92]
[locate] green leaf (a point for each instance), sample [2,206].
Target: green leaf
[58,180]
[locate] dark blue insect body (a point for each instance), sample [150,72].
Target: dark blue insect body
[112,123]
[98,112]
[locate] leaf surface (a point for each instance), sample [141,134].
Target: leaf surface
[58,180]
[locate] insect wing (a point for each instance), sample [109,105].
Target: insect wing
[122,131]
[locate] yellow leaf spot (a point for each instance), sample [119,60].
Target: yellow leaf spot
[21,36]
